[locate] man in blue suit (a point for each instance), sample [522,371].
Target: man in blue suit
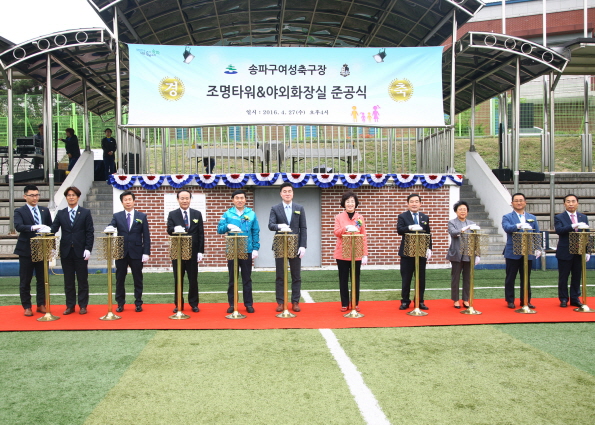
[513,222]
[76,244]
[565,223]
[134,227]
[28,219]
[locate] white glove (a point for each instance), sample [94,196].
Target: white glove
[233,228]
[475,227]
[587,257]
[39,226]
[574,225]
[477,260]
[110,229]
[45,229]
[537,254]
[582,225]
[364,260]
[199,257]
[254,255]
[145,258]
[284,227]
[526,226]
[415,228]
[429,254]
[301,252]
[352,228]
[179,229]
[86,255]
[464,229]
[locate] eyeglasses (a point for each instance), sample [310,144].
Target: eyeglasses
[33,196]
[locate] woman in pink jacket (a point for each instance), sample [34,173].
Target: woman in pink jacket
[345,222]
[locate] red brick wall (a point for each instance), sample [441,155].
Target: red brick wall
[379,207]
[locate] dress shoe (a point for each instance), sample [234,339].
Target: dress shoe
[530,306]
[343,308]
[250,309]
[456,306]
[28,312]
[357,308]
[296,307]
[404,306]
[576,303]
[41,309]
[120,309]
[563,303]
[511,305]
[423,306]
[466,305]
[230,309]
[175,310]
[138,308]
[69,310]
[83,310]
[279,308]
[195,309]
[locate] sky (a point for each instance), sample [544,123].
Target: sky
[22,20]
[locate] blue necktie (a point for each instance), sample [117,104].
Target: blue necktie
[288,213]
[186,222]
[72,212]
[36,216]
[415,218]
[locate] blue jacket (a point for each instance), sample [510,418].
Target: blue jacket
[247,222]
[509,222]
[563,227]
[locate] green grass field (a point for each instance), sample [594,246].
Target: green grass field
[490,374]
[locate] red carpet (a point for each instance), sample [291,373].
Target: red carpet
[378,314]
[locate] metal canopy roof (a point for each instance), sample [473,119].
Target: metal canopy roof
[490,60]
[324,23]
[76,55]
[582,61]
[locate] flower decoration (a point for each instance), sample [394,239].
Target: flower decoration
[358,222]
[138,220]
[245,218]
[530,220]
[195,220]
[297,212]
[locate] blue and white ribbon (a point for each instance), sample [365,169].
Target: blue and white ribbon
[296,179]
[179,180]
[378,180]
[353,181]
[207,181]
[122,182]
[405,180]
[432,181]
[235,181]
[151,182]
[264,179]
[325,180]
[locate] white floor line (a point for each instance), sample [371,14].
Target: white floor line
[365,400]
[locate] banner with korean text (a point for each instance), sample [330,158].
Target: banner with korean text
[191,86]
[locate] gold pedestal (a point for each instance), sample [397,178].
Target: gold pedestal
[353,314]
[417,312]
[110,316]
[416,245]
[525,243]
[470,310]
[180,248]
[235,249]
[353,247]
[48,317]
[472,243]
[525,310]
[582,242]
[584,309]
[110,248]
[44,248]
[179,316]
[285,246]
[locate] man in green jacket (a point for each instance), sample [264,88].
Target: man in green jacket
[242,220]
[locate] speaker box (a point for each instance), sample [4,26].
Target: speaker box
[23,176]
[503,174]
[531,176]
[132,163]
[59,175]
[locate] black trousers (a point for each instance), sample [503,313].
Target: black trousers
[26,269]
[295,266]
[245,267]
[136,267]
[344,267]
[565,269]
[71,266]
[407,272]
[513,267]
[189,267]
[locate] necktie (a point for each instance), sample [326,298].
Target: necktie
[573,218]
[288,213]
[72,216]
[128,220]
[186,222]
[36,216]
[415,218]
[521,218]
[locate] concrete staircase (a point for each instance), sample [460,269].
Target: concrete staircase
[479,215]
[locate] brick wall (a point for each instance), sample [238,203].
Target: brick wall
[379,206]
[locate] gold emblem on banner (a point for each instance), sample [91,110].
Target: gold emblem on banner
[171,88]
[400,90]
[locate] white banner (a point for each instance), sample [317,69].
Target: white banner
[185,86]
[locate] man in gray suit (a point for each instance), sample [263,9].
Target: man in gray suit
[288,214]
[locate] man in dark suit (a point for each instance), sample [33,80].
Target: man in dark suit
[76,244]
[109,146]
[73,150]
[565,223]
[411,221]
[289,215]
[29,219]
[186,219]
[513,222]
[134,227]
